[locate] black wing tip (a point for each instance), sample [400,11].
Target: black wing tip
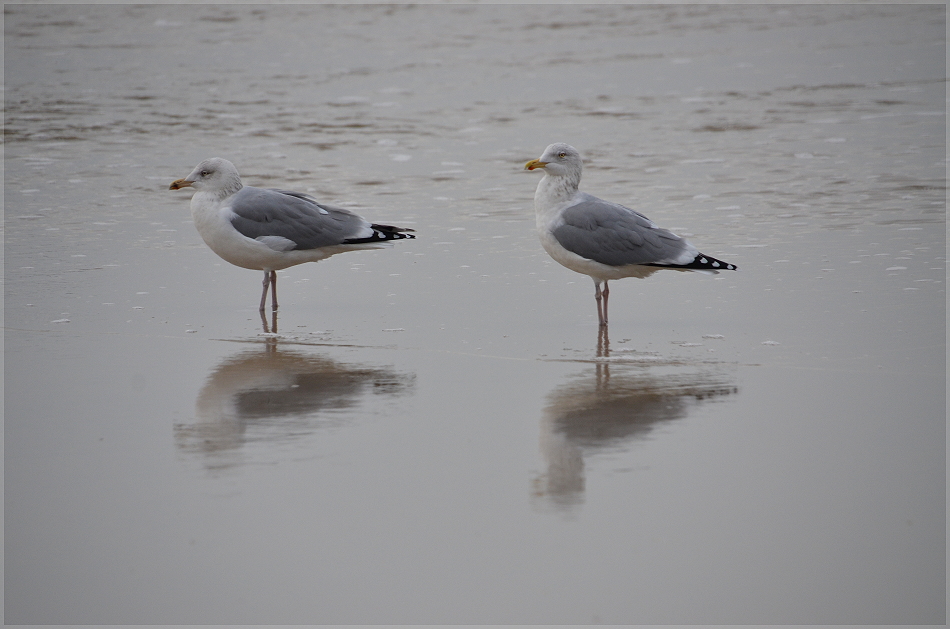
[702,262]
[382,233]
[391,232]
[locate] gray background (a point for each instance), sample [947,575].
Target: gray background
[437,435]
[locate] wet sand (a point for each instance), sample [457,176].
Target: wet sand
[440,433]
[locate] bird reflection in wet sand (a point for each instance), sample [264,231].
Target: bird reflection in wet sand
[598,411]
[274,394]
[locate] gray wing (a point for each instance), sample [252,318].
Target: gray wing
[261,213]
[617,236]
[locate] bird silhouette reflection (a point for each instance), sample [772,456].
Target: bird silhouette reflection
[274,394]
[608,407]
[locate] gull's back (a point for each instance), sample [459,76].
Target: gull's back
[264,212]
[615,235]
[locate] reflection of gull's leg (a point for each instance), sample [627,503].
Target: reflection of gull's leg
[602,370]
[270,331]
[603,343]
[272,327]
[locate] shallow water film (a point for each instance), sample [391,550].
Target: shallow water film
[440,432]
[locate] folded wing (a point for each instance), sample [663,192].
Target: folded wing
[618,236]
[275,216]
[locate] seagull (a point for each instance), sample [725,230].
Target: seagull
[601,239]
[269,229]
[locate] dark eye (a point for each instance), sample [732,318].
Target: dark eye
[205,173]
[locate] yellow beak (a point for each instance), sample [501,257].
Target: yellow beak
[178,184]
[535,163]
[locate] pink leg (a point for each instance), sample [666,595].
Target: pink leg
[264,294]
[270,279]
[601,298]
[273,290]
[606,294]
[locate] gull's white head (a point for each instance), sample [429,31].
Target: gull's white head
[212,175]
[559,160]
